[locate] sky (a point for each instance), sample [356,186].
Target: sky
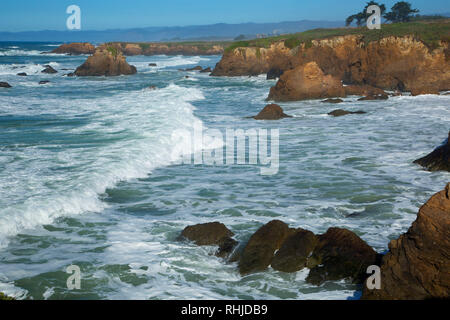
[36,15]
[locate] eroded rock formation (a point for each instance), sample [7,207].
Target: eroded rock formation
[105,62]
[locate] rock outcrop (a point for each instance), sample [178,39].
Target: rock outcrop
[5,85]
[107,62]
[417,266]
[391,63]
[306,82]
[340,254]
[374,97]
[207,234]
[75,48]
[439,159]
[271,112]
[49,70]
[295,251]
[170,49]
[341,112]
[259,251]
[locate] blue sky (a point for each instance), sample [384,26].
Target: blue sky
[34,15]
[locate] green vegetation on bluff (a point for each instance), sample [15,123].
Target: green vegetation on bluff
[429,32]
[4,297]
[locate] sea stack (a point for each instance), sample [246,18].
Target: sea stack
[105,62]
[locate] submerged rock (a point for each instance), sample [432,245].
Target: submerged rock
[152,65]
[439,159]
[295,251]
[44,82]
[197,68]
[340,254]
[105,62]
[207,234]
[48,69]
[259,251]
[271,112]
[226,247]
[341,112]
[333,101]
[417,266]
[22,74]
[5,85]
[306,82]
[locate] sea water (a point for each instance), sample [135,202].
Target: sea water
[87,178]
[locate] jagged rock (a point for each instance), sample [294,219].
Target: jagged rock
[294,252]
[75,48]
[48,69]
[22,74]
[259,251]
[107,62]
[417,266]
[306,82]
[271,112]
[340,112]
[206,70]
[335,101]
[374,97]
[5,85]
[207,234]
[340,254]
[439,159]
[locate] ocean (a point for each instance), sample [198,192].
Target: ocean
[89,177]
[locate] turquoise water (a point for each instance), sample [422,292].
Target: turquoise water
[87,178]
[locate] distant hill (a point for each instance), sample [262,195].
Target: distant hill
[221,31]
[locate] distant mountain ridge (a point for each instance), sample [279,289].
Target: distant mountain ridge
[220,31]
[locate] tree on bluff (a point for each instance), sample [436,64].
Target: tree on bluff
[362,16]
[400,12]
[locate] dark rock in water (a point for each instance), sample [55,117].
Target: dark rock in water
[49,69]
[417,266]
[340,254]
[44,82]
[333,101]
[226,247]
[363,90]
[152,88]
[340,112]
[294,252]
[152,65]
[5,85]
[206,70]
[439,159]
[259,251]
[71,74]
[207,234]
[186,77]
[22,74]
[197,68]
[274,73]
[271,112]
[373,97]
[106,62]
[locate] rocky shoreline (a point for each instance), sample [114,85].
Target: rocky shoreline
[417,266]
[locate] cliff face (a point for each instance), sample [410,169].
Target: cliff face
[392,63]
[417,266]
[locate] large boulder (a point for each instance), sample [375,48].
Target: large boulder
[306,82]
[207,234]
[295,251]
[439,159]
[340,254]
[105,62]
[76,48]
[271,112]
[49,70]
[417,266]
[259,251]
[5,85]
